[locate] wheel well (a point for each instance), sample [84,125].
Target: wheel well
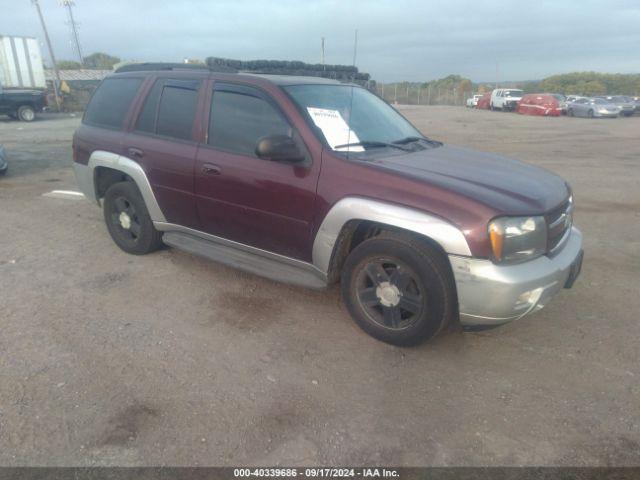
[354,232]
[104,177]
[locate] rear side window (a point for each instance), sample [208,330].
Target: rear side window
[239,120]
[111,101]
[169,109]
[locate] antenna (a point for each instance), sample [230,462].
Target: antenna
[69,4]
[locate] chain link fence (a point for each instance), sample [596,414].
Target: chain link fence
[411,94]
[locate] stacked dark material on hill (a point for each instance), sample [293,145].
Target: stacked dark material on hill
[343,73]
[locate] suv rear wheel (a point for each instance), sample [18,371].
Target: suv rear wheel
[398,289]
[128,220]
[26,113]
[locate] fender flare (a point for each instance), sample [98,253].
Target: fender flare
[448,236]
[85,175]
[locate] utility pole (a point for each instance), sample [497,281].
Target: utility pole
[74,29]
[56,72]
[322,52]
[355,47]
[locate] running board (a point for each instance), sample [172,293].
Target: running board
[249,259]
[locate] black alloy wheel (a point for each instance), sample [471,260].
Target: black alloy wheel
[124,220]
[399,288]
[389,293]
[128,220]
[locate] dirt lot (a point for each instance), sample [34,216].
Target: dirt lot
[166,359]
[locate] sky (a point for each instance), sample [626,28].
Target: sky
[412,40]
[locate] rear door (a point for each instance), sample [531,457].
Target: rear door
[580,107]
[261,203]
[162,140]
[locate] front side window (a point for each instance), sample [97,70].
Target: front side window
[239,120]
[350,115]
[111,101]
[169,109]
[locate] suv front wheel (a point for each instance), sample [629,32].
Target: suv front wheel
[399,289]
[128,220]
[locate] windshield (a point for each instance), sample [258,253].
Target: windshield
[601,101]
[621,99]
[348,115]
[513,93]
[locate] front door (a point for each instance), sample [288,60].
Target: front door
[261,203]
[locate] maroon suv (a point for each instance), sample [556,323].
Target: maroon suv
[310,181]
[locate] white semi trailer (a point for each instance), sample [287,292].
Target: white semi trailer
[21,63]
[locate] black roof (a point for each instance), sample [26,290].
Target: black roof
[282,80]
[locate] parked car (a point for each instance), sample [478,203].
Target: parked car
[3,161]
[473,101]
[592,107]
[311,182]
[484,101]
[22,104]
[626,105]
[505,99]
[545,104]
[572,98]
[562,102]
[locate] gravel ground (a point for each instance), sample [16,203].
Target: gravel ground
[167,359]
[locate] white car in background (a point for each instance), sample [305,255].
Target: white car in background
[472,102]
[3,162]
[505,99]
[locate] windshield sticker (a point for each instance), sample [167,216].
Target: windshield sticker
[335,129]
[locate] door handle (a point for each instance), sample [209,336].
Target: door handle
[210,169]
[136,153]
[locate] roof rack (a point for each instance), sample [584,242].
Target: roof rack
[156,66]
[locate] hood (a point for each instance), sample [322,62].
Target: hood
[506,185]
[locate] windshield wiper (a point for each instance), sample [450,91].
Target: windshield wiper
[372,144]
[404,141]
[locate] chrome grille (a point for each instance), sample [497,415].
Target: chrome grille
[559,222]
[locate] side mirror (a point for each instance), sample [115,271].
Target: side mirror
[279,148]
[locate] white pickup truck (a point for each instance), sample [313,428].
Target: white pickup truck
[472,102]
[505,99]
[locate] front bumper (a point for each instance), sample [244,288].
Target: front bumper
[490,294]
[605,114]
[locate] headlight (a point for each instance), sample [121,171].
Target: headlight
[517,239]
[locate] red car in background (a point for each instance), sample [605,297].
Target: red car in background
[545,104]
[484,101]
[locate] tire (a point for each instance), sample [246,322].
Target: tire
[128,220]
[491,107]
[26,113]
[3,172]
[590,114]
[570,112]
[399,289]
